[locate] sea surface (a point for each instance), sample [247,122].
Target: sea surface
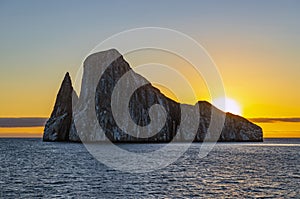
[31,168]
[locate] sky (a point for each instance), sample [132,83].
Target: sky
[255,45]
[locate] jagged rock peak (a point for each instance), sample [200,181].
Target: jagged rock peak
[109,55]
[58,126]
[63,96]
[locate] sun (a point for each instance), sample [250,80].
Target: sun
[228,105]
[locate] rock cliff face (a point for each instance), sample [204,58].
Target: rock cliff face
[117,104]
[84,111]
[139,104]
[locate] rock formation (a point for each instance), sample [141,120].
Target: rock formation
[57,128]
[109,82]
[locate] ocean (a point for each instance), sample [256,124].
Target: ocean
[30,168]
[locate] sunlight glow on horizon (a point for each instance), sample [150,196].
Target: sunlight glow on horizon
[228,105]
[22,132]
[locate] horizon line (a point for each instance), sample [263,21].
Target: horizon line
[15,122]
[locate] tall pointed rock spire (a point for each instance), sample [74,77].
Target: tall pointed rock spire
[58,126]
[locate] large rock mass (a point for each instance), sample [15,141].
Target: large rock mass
[118,104]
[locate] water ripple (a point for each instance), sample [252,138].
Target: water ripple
[30,168]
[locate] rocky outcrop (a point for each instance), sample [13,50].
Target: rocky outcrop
[235,128]
[118,104]
[58,126]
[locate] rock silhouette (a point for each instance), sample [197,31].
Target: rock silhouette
[57,128]
[118,104]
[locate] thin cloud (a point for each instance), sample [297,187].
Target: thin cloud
[39,122]
[22,122]
[273,120]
